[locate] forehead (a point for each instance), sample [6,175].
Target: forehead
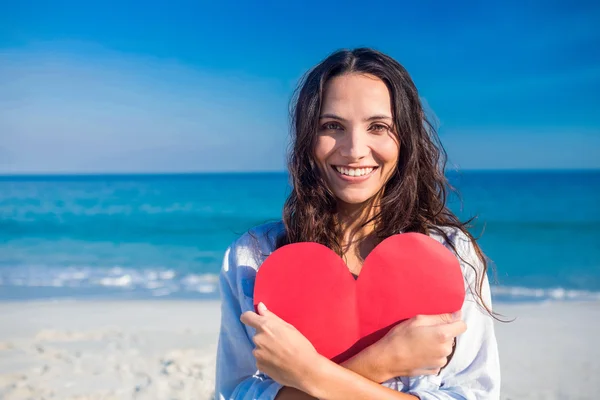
[356,95]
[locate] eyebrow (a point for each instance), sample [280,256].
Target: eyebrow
[372,118]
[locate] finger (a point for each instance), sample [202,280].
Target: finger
[451,317]
[446,318]
[453,329]
[265,312]
[444,333]
[427,320]
[433,320]
[261,308]
[251,319]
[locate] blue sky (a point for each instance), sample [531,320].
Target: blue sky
[192,86]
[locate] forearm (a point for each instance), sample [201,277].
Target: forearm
[329,381]
[363,363]
[366,363]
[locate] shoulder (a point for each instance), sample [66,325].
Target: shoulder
[252,247]
[454,237]
[242,259]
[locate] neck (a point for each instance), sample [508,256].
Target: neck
[352,219]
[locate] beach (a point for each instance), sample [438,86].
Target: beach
[165,349]
[139,256]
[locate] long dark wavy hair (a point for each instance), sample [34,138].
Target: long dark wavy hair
[414,197]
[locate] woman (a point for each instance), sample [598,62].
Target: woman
[365,165]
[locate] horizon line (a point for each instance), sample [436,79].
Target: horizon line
[265,172]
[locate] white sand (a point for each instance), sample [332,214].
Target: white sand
[550,351]
[108,350]
[166,350]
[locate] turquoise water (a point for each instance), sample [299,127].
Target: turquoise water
[164,235]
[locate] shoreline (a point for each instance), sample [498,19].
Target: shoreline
[165,348]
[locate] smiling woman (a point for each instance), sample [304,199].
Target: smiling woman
[365,165]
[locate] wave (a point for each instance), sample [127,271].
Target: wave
[165,282]
[517,293]
[152,282]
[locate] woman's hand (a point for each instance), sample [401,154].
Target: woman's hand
[420,345]
[417,346]
[282,352]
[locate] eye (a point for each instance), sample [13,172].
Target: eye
[379,127]
[329,126]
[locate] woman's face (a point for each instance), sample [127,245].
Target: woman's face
[356,147]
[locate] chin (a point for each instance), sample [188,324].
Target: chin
[353,200]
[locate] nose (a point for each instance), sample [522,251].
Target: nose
[354,145]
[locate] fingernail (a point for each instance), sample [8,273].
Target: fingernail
[262,307]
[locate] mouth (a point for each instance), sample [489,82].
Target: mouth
[354,174]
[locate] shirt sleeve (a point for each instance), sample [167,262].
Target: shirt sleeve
[474,371]
[236,375]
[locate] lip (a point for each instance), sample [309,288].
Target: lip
[353,179]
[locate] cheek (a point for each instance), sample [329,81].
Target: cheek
[324,147]
[388,151]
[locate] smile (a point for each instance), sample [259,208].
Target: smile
[353,174]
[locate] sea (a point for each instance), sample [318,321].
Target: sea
[164,235]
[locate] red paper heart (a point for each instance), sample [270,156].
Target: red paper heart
[310,287]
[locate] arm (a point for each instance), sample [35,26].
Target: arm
[283,353]
[236,374]
[338,378]
[404,351]
[416,347]
[366,363]
[330,381]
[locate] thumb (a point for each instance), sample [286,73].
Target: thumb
[449,318]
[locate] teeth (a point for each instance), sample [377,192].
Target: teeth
[354,171]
